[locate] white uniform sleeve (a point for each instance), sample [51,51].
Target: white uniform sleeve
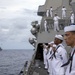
[58,17]
[63,55]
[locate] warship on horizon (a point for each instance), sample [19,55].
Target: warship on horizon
[0,49]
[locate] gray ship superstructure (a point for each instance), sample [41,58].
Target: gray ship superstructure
[42,36]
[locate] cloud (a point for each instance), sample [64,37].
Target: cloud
[19,26]
[15,20]
[19,23]
[3,8]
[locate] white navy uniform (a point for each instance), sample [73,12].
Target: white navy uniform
[72,18]
[51,10]
[63,12]
[56,27]
[61,58]
[71,67]
[47,13]
[45,25]
[45,56]
[49,61]
[72,72]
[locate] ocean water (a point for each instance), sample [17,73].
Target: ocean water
[12,61]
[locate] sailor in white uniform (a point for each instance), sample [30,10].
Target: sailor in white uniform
[63,12]
[70,41]
[72,18]
[51,11]
[56,22]
[47,13]
[50,60]
[59,57]
[45,56]
[48,56]
[45,25]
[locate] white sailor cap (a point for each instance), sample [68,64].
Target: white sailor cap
[69,28]
[59,37]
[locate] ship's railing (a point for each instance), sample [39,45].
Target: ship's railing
[62,23]
[59,13]
[24,69]
[29,66]
[50,24]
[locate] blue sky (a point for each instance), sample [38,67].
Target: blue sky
[15,22]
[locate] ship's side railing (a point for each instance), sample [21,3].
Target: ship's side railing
[50,23]
[28,67]
[59,13]
[62,23]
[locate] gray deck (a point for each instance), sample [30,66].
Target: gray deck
[41,70]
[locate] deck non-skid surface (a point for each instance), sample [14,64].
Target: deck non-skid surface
[41,70]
